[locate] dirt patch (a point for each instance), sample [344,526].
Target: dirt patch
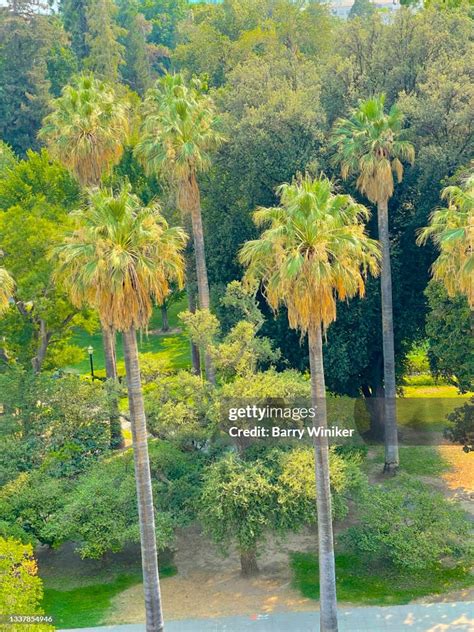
[209,584]
[461,473]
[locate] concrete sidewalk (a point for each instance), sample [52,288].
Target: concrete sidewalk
[436,617]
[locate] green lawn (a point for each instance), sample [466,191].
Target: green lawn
[362,584]
[172,348]
[78,593]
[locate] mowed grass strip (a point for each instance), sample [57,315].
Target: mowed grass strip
[364,584]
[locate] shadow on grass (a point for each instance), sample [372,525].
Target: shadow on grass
[88,606]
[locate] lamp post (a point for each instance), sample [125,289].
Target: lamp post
[90,351]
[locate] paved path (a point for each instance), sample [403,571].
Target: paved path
[437,617]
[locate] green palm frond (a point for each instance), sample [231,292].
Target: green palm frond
[313,250]
[452,231]
[370,144]
[179,128]
[87,128]
[120,258]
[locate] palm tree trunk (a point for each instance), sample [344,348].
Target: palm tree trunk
[195,356]
[108,341]
[327,567]
[151,580]
[391,435]
[200,254]
[165,326]
[191,284]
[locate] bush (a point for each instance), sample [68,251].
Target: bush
[410,525]
[461,428]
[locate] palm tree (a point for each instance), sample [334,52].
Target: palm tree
[6,290]
[120,257]
[86,132]
[370,144]
[452,231]
[313,252]
[178,133]
[87,128]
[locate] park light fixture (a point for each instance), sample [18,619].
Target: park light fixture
[90,351]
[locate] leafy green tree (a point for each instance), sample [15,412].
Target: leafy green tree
[242,499]
[120,257]
[238,502]
[74,17]
[137,70]
[111,486]
[62,64]
[182,408]
[21,590]
[452,231]
[370,144]
[179,131]
[35,197]
[62,435]
[361,9]
[412,526]
[29,504]
[25,86]
[105,52]
[450,341]
[165,16]
[314,249]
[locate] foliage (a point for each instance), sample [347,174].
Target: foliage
[313,250]
[57,425]
[178,133]
[105,52]
[182,408]
[25,86]
[242,498]
[410,525]
[101,512]
[371,144]
[35,197]
[21,590]
[237,502]
[449,332]
[451,230]
[87,128]
[461,427]
[120,257]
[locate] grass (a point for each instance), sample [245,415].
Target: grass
[414,460]
[87,605]
[172,348]
[79,593]
[360,583]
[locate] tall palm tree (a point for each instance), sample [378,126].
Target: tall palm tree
[313,252]
[177,136]
[86,131]
[452,231]
[121,257]
[6,290]
[370,144]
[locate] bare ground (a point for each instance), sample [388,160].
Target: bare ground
[209,584]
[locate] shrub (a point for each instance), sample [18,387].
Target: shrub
[411,525]
[461,428]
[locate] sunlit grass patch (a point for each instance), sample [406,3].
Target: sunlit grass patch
[364,584]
